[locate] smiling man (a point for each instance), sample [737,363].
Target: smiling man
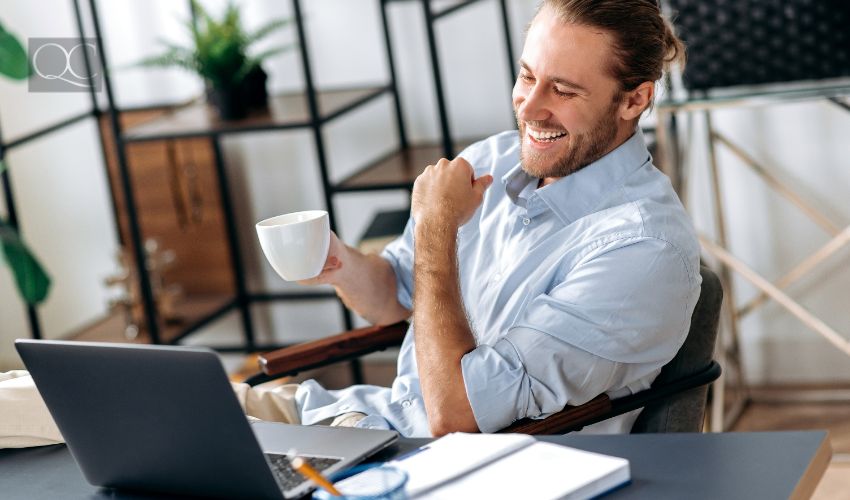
[541,268]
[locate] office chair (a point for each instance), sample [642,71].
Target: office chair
[674,403]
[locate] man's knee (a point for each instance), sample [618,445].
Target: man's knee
[274,404]
[24,420]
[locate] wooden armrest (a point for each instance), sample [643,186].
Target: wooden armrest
[601,407]
[329,350]
[569,419]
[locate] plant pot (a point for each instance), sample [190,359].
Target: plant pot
[229,102]
[253,88]
[234,103]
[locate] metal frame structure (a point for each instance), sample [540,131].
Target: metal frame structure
[242,298]
[431,16]
[5,147]
[729,354]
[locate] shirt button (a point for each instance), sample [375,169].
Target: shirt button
[497,277]
[526,221]
[405,403]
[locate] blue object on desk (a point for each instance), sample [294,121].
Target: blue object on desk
[368,482]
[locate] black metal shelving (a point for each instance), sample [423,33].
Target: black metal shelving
[5,147]
[433,11]
[310,109]
[286,112]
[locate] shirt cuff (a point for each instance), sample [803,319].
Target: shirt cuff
[373,422]
[497,385]
[403,294]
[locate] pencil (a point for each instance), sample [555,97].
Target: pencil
[309,472]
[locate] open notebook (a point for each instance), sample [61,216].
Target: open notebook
[508,466]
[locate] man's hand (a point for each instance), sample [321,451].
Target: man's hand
[332,264]
[365,283]
[447,193]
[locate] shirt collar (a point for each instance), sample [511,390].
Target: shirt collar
[580,193]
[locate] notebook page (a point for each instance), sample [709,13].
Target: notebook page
[540,471]
[454,455]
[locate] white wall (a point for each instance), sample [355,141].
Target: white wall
[277,172]
[805,146]
[65,211]
[60,192]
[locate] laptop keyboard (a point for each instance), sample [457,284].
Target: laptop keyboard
[287,477]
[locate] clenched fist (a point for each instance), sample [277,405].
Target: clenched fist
[448,193]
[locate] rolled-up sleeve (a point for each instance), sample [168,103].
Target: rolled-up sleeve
[399,253]
[494,375]
[502,387]
[612,323]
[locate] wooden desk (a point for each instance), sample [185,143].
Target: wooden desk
[753,465]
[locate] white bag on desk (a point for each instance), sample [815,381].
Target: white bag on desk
[24,419]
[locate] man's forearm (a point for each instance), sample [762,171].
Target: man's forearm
[367,285]
[442,331]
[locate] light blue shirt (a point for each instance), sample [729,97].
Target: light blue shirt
[582,287]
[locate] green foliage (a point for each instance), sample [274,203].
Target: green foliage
[30,278]
[33,283]
[13,57]
[221,47]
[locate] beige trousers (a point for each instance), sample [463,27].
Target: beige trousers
[277,404]
[273,404]
[25,420]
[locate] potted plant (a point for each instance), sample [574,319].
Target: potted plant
[30,278]
[235,80]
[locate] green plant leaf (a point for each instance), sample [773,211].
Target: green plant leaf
[231,16]
[220,52]
[31,279]
[174,56]
[203,18]
[262,56]
[266,29]
[13,57]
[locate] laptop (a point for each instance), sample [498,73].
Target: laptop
[165,419]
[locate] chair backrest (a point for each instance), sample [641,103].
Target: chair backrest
[752,42]
[684,412]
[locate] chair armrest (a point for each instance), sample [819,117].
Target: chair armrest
[329,350]
[658,392]
[601,407]
[569,419]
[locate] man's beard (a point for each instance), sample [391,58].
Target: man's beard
[584,149]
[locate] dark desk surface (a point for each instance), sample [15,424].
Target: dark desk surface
[752,465]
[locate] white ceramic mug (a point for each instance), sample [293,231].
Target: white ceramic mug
[296,244]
